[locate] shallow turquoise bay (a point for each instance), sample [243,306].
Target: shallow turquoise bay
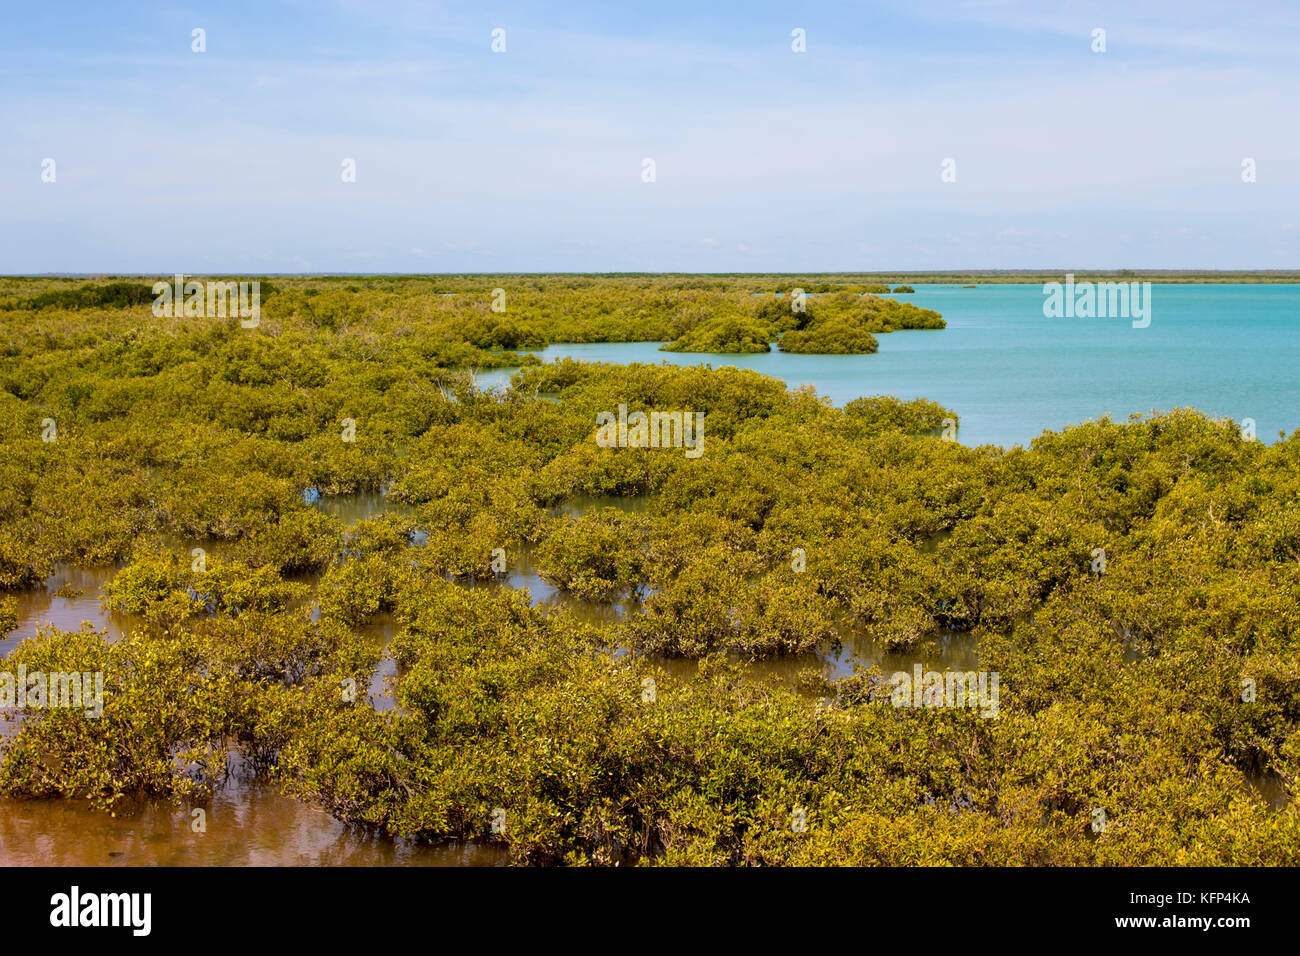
[1010,373]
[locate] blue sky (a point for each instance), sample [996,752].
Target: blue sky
[531,160]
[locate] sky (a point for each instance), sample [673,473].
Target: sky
[533,159]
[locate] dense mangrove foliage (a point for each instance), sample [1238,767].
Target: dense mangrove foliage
[735,332]
[1134,585]
[840,323]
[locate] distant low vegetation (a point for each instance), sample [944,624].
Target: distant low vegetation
[485,322]
[111,295]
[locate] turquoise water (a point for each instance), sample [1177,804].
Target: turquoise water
[1010,373]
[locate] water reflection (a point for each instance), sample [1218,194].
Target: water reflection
[946,651]
[1270,787]
[358,506]
[69,597]
[249,823]
[523,574]
[575,506]
[380,629]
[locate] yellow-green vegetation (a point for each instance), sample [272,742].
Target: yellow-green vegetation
[1151,686]
[839,321]
[484,321]
[830,336]
[843,323]
[724,333]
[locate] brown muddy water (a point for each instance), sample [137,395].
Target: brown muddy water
[250,823]
[69,598]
